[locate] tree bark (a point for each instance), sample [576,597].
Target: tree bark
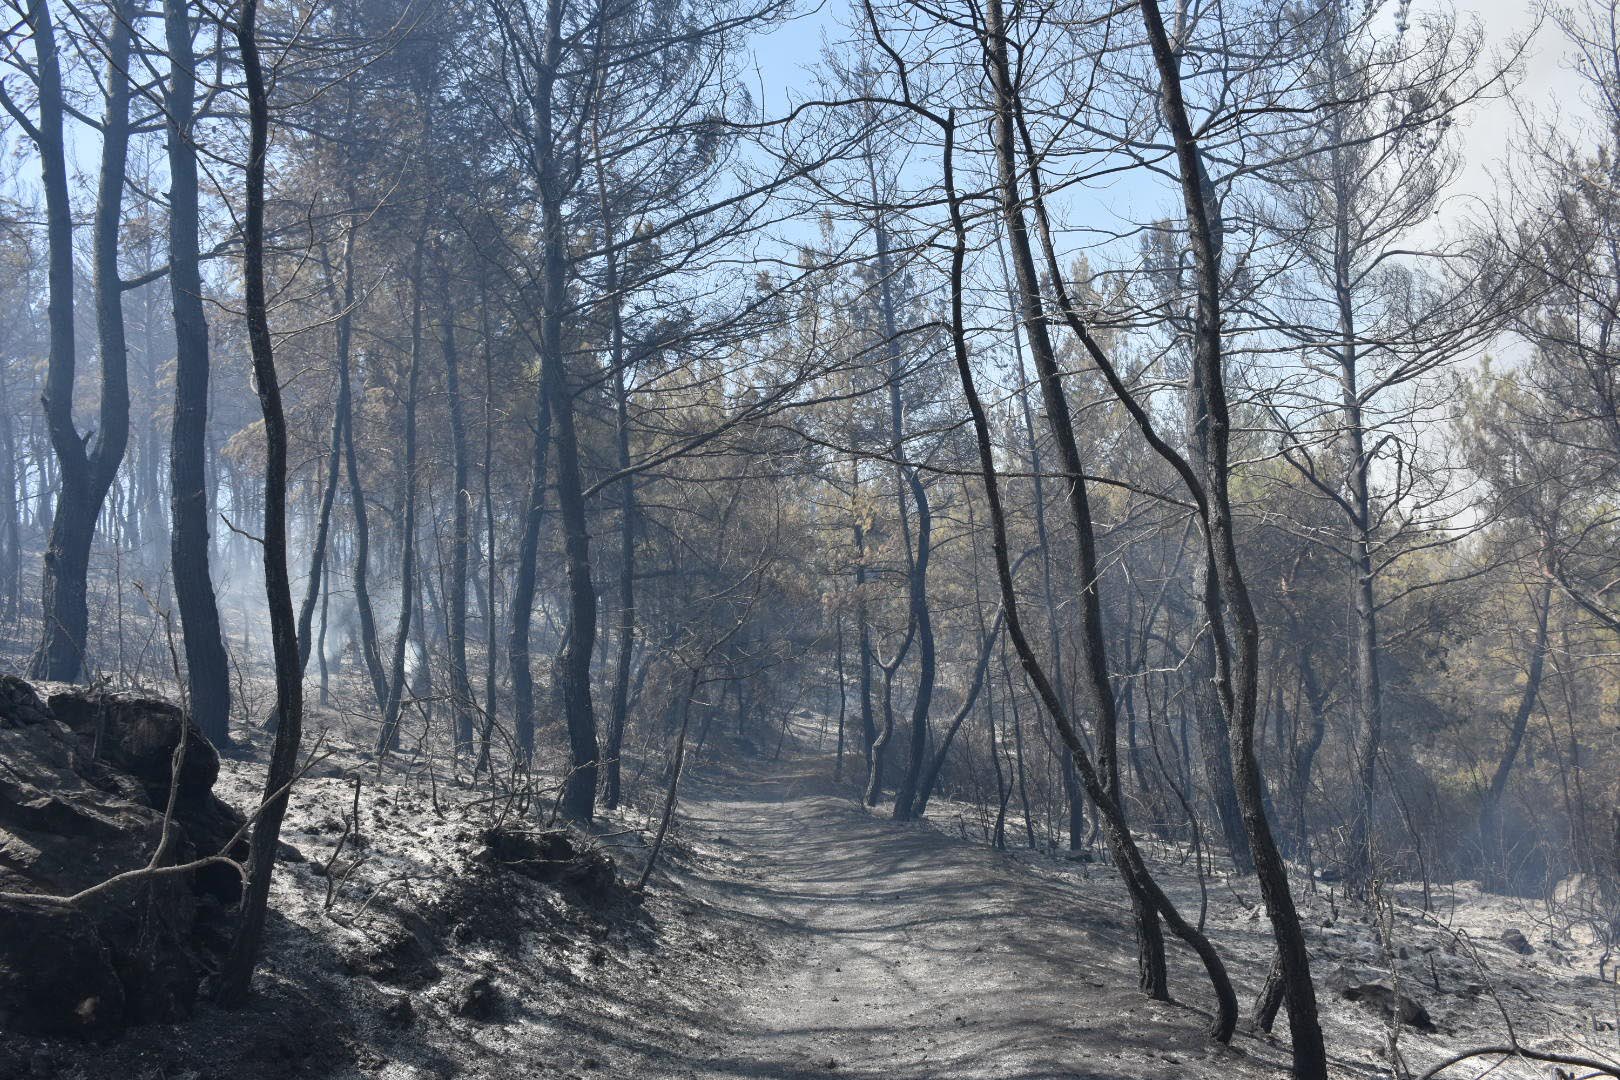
[863,632]
[461,694]
[1133,869]
[1214,743]
[357,492]
[12,497]
[1237,655]
[318,577]
[620,707]
[1492,847]
[388,734]
[1093,679]
[930,778]
[905,797]
[207,668]
[1071,784]
[85,475]
[573,664]
[237,973]
[523,583]
[490,619]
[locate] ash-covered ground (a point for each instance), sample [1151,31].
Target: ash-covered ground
[430,929]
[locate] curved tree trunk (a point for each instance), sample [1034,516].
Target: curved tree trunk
[1071,783]
[1237,651]
[905,797]
[237,974]
[1093,678]
[925,789]
[1128,858]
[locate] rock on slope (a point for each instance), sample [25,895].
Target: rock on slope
[85,777]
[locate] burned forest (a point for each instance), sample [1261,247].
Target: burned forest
[787,539]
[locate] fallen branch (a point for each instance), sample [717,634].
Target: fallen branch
[1599,1068]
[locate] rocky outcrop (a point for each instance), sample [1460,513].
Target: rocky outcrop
[85,775]
[1373,989]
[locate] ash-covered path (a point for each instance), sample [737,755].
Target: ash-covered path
[907,954]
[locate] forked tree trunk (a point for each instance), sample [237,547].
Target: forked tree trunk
[905,797]
[936,765]
[85,475]
[1128,858]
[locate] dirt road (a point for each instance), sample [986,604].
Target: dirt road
[910,955]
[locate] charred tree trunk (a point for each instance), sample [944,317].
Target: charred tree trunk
[921,627]
[357,492]
[237,974]
[620,708]
[461,693]
[1093,678]
[1492,846]
[490,620]
[930,777]
[1133,869]
[1237,652]
[388,734]
[1304,750]
[1214,744]
[523,584]
[572,683]
[863,635]
[843,702]
[906,795]
[1020,773]
[85,475]
[1071,784]
[207,669]
[314,588]
[11,524]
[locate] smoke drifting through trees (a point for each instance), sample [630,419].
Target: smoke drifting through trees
[571,398]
